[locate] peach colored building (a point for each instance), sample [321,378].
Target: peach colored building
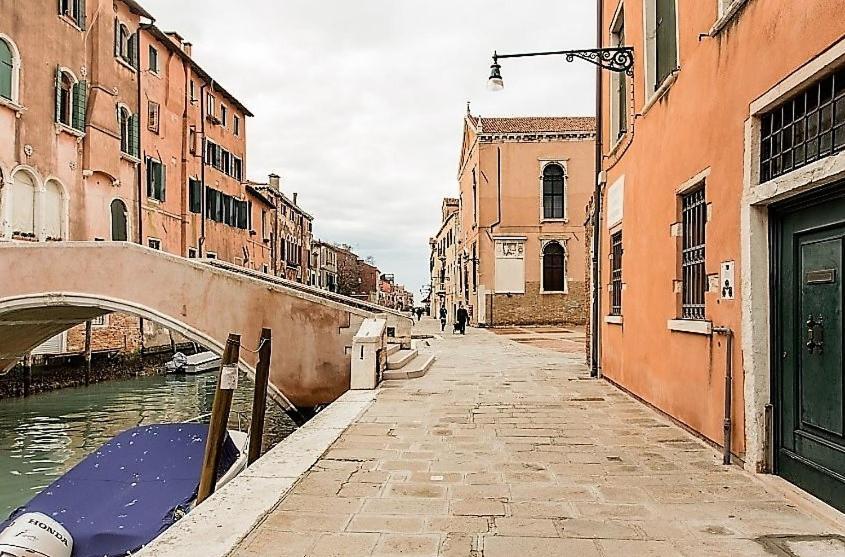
[285,230]
[723,165]
[524,183]
[193,143]
[68,162]
[445,273]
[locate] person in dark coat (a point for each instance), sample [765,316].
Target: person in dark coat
[443,318]
[463,317]
[419,313]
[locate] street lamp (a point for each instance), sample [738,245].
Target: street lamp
[619,59]
[616,59]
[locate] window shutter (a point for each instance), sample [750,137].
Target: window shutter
[133,50]
[58,94]
[80,103]
[81,14]
[150,178]
[163,181]
[134,140]
[666,40]
[116,37]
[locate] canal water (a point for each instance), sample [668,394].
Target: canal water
[43,436]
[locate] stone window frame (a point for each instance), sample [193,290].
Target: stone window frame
[562,241]
[16,72]
[563,163]
[653,90]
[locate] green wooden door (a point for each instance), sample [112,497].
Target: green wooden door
[810,384]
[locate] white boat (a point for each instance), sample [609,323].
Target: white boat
[204,361]
[196,363]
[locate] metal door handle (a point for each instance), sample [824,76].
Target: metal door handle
[814,341]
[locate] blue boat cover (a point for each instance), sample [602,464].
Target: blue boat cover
[130,490]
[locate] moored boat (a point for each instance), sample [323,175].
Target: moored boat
[126,493]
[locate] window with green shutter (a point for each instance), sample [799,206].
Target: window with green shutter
[156,179]
[195,195]
[7,67]
[80,104]
[667,46]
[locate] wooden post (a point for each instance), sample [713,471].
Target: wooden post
[259,399]
[219,418]
[172,342]
[87,352]
[27,374]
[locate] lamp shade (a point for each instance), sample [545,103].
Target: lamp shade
[495,83]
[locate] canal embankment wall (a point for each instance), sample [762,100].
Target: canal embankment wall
[68,370]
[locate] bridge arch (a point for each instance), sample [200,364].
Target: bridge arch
[51,287]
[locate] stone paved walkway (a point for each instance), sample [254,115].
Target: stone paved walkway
[504,450]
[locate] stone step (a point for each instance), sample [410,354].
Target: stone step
[393,349]
[416,368]
[401,358]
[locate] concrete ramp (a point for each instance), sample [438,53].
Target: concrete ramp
[48,288]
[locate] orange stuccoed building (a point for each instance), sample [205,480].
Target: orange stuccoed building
[723,225]
[524,183]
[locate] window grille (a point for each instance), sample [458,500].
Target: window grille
[616,274]
[807,127]
[694,220]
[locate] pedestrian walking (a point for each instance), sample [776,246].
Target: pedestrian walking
[462,317]
[442,319]
[419,313]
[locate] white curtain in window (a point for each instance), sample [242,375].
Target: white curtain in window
[23,203]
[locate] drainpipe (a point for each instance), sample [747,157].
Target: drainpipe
[138,178]
[595,351]
[728,425]
[204,196]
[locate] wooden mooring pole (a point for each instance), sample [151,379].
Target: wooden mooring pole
[226,384]
[27,374]
[87,352]
[259,399]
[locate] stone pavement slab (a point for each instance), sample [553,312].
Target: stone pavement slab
[508,449]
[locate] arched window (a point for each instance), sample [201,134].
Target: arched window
[554,275]
[553,188]
[119,228]
[9,70]
[54,210]
[124,122]
[22,200]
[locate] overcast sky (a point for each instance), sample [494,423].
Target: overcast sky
[359,104]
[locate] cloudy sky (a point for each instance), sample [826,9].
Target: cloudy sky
[359,104]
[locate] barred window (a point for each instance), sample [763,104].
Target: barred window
[807,127]
[694,279]
[616,274]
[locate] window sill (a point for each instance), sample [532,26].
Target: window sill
[60,127]
[661,91]
[613,319]
[131,158]
[126,64]
[543,292]
[561,221]
[693,326]
[8,103]
[70,21]
[726,17]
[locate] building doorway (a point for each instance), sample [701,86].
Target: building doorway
[808,373]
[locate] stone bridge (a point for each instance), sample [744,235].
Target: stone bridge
[46,289]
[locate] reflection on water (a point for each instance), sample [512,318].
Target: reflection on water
[43,436]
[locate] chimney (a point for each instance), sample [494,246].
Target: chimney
[187,48]
[295,195]
[274,182]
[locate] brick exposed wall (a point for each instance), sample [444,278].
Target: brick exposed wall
[534,308]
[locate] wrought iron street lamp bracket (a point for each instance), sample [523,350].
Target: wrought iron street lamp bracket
[616,59]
